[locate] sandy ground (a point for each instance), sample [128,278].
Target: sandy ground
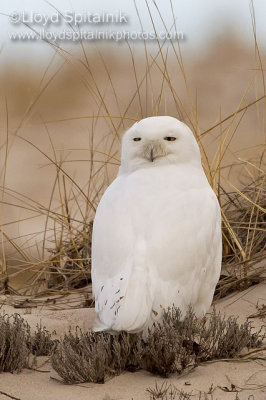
[247,376]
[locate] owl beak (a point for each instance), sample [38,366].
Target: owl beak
[151,154]
[152,151]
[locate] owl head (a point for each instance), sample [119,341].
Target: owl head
[158,141]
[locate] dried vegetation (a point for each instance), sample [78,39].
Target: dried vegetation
[172,346]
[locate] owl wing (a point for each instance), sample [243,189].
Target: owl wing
[118,283]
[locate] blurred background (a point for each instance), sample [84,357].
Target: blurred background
[65,105]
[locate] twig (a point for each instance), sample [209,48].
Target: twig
[252,352]
[9,395]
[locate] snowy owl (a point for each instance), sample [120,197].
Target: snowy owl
[157,231]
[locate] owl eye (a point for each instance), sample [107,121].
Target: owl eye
[137,139]
[170,138]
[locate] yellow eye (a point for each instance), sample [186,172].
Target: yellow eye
[137,139]
[170,138]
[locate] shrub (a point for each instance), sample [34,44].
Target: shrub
[14,337]
[170,346]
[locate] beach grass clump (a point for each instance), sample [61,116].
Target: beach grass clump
[41,341]
[70,263]
[92,356]
[82,357]
[17,343]
[171,346]
[14,339]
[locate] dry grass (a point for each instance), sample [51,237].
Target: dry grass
[71,263]
[167,391]
[17,342]
[174,345]
[162,86]
[41,341]
[244,237]
[14,340]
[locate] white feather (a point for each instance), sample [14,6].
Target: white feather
[157,231]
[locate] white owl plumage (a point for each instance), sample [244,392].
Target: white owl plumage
[157,231]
